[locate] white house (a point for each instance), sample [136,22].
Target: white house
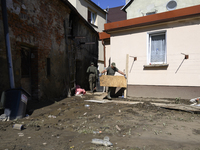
[163,52]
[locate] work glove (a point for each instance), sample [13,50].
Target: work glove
[125,77]
[100,75]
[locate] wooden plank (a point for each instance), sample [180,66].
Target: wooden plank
[97,101]
[113,81]
[127,61]
[113,101]
[182,107]
[102,96]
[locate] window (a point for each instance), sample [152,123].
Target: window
[157,48]
[92,17]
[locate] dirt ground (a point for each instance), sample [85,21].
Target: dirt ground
[70,124]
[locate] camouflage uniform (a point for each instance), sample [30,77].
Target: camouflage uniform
[92,70]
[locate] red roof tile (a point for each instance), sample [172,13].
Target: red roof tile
[103,35]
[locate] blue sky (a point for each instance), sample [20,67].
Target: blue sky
[109,3]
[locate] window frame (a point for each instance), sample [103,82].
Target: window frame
[149,36]
[91,15]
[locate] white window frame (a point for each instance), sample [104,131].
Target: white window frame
[93,17]
[149,35]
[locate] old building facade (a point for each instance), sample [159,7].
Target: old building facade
[51,47]
[97,17]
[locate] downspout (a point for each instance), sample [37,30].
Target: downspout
[7,42]
[104,53]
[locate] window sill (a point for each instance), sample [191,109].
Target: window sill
[156,65]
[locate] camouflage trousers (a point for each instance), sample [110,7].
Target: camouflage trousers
[92,80]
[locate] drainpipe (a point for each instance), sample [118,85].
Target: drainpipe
[7,42]
[104,53]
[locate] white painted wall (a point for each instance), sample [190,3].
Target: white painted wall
[139,8]
[108,55]
[73,2]
[82,7]
[182,37]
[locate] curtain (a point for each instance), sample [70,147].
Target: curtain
[157,48]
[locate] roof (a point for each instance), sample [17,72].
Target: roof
[103,35]
[127,4]
[96,6]
[115,14]
[153,19]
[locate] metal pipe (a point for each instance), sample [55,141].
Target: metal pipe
[104,51]
[7,42]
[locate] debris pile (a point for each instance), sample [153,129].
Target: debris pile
[195,101]
[105,141]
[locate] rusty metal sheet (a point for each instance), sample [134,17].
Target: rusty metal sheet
[113,81]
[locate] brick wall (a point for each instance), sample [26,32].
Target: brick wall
[39,26]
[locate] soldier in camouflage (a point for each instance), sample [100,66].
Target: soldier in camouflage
[92,70]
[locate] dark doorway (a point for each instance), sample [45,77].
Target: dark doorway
[26,69]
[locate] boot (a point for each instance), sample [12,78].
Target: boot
[108,96]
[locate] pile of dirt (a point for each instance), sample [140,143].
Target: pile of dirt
[73,123]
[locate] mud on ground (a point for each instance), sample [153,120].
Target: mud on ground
[70,125]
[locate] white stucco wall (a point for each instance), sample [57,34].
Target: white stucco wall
[182,37]
[73,2]
[108,54]
[82,7]
[139,8]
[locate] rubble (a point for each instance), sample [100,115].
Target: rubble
[18,126]
[102,142]
[195,101]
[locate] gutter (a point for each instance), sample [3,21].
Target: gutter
[7,42]
[104,51]
[126,5]
[174,15]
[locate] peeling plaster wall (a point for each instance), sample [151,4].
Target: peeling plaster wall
[39,26]
[139,8]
